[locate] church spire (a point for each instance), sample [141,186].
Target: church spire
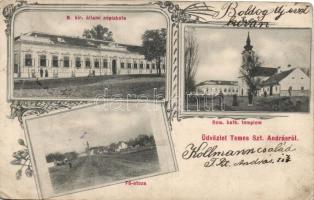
[248,45]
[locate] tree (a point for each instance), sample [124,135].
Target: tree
[191,59]
[98,32]
[154,46]
[247,72]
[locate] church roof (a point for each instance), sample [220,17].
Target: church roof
[217,82]
[79,41]
[276,78]
[248,45]
[265,71]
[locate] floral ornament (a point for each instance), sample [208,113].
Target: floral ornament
[8,12]
[22,158]
[194,13]
[22,109]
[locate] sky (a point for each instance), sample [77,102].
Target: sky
[65,132]
[220,50]
[127,31]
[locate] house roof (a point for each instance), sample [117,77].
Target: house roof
[80,41]
[276,78]
[217,82]
[265,71]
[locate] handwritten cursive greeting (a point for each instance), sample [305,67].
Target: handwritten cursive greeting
[255,17]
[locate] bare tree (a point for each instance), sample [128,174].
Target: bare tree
[248,72]
[191,60]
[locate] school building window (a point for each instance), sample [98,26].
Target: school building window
[42,61]
[77,62]
[96,63]
[87,62]
[28,60]
[66,61]
[55,61]
[105,63]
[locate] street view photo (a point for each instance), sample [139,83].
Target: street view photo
[264,70]
[91,147]
[65,55]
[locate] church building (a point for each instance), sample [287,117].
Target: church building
[44,56]
[249,60]
[289,81]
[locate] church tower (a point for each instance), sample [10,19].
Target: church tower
[248,54]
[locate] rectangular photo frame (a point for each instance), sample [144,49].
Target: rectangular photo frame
[215,81]
[72,152]
[78,52]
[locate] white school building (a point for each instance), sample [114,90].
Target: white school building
[43,56]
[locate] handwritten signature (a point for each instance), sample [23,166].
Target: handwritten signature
[280,153]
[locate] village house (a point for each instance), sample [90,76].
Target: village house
[214,87]
[43,56]
[289,82]
[121,146]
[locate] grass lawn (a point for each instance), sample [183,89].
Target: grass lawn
[91,87]
[99,169]
[266,104]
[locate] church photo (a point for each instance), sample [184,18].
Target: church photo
[60,55]
[265,70]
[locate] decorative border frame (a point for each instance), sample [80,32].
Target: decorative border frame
[11,11]
[263,115]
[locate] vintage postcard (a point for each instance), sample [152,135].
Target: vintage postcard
[149,99]
[98,145]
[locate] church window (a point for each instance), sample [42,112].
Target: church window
[135,65]
[147,66]
[153,66]
[122,65]
[42,61]
[141,65]
[129,65]
[302,88]
[55,62]
[28,60]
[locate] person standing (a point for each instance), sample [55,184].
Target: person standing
[46,73]
[41,72]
